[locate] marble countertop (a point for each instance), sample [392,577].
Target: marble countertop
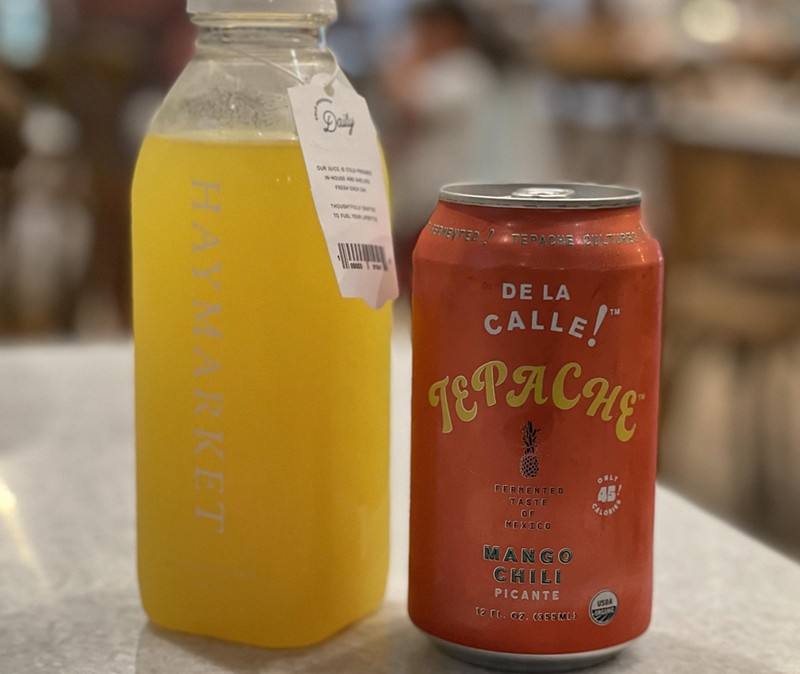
[69,604]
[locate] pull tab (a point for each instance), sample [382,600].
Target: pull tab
[542,193]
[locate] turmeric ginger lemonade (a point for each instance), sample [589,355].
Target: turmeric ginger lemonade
[261,400]
[262,277]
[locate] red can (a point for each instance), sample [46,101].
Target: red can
[536,348]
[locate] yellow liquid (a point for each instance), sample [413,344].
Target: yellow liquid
[262,402]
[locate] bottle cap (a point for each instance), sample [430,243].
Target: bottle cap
[305,7]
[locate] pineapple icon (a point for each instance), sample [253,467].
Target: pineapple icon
[529,463]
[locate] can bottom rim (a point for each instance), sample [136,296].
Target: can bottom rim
[523,662]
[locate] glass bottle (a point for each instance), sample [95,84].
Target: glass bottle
[262,396]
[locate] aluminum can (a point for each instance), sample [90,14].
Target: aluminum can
[536,314]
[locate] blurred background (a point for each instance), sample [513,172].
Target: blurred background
[697,102]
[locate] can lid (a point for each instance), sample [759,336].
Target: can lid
[545,195]
[315,7]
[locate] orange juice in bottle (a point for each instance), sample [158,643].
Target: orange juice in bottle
[262,394]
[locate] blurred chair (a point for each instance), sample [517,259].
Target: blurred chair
[730,423]
[12,150]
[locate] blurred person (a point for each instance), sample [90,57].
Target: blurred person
[438,83]
[358,35]
[49,230]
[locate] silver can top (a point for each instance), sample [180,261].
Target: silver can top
[290,7]
[544,195]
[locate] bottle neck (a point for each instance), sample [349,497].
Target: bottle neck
[257,33]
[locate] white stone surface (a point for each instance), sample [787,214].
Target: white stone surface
[68,598]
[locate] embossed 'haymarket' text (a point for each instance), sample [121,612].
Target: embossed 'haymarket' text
[208,449]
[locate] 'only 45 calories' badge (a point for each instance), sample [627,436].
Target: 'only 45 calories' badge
[345,169]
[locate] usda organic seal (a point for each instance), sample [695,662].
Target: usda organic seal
[603,607]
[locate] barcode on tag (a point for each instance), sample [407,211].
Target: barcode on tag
[362,256]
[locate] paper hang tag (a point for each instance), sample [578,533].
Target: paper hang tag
[345,169]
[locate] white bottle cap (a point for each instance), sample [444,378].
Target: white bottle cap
[314,7]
